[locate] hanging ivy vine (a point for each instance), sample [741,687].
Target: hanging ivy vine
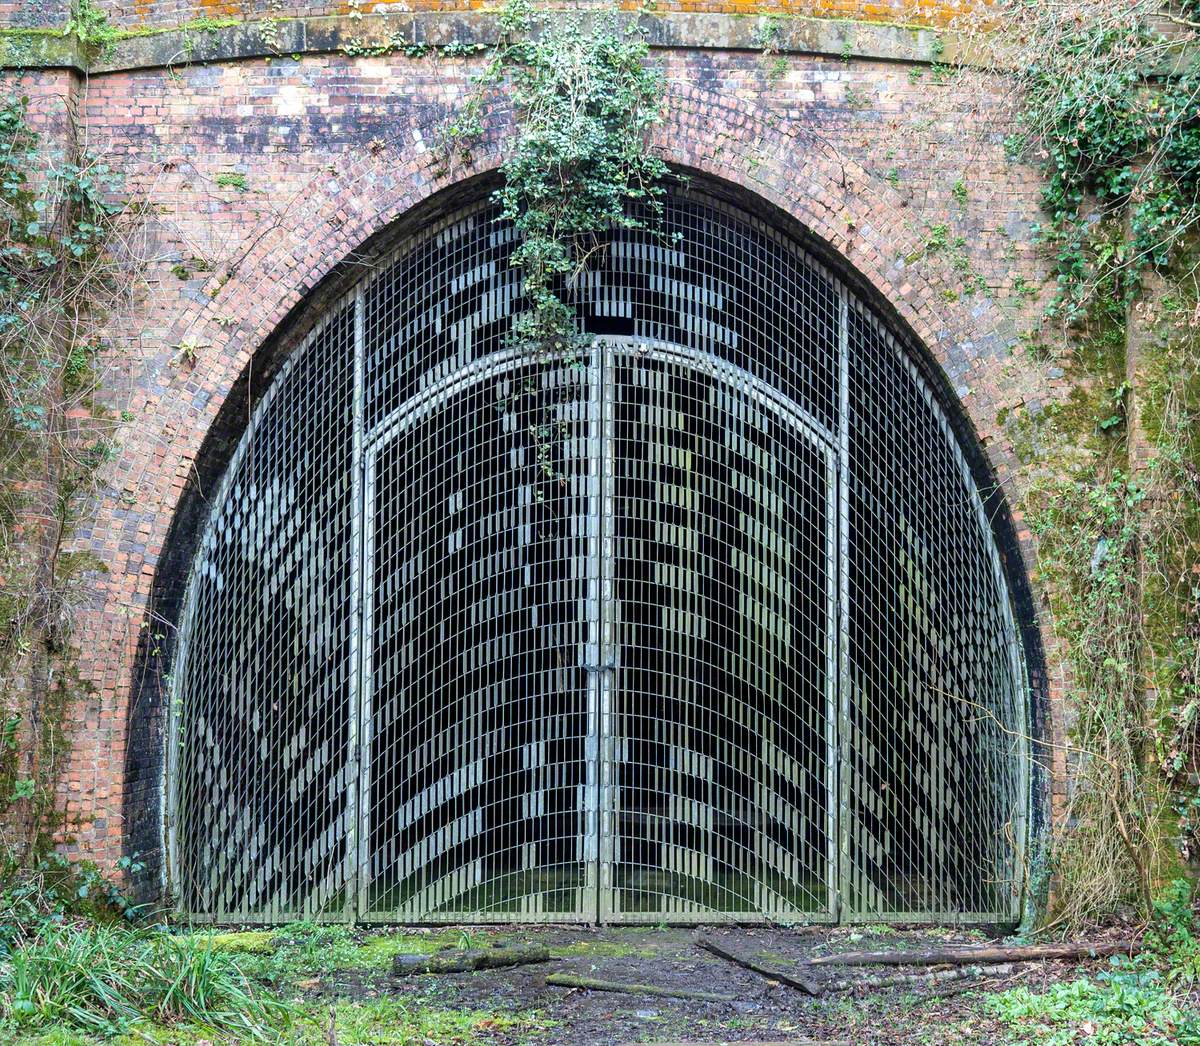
[585,100]
[1111,112]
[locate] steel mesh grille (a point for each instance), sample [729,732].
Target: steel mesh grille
[708,622]
[476,620]
[265,688]
[933,767]
[719,726]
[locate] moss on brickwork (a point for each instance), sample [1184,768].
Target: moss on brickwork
[1168,390]
[1111,471]
[67,254]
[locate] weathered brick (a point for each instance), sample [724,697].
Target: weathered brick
[334,149]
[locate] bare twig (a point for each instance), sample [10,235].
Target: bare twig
[570,980]
[799,982]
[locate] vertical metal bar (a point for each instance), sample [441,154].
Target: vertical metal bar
[596,820]
[603,365]
[365,711]
[841,865]
[171,868]
[1024,770]
[835,633]
[355,768]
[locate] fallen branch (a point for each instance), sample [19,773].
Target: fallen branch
[985,953]
[932,980]
[1000,973]
[472,959]
[798,982]
[569,980]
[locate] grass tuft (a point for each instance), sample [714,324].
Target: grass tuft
[105,980]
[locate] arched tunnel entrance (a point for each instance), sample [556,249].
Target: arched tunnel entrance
[708,620]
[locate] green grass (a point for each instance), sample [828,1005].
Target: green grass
[628,947]
[381,949]
[304,950]
[98,980]
[296,951]
[392,1021]
[83,984]
[75,983]
[240,942]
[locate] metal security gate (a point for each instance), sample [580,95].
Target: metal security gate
[600,679]
[705,623]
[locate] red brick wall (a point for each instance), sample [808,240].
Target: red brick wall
[33,13]
[333,149]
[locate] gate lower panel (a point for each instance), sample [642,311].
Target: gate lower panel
[717,730]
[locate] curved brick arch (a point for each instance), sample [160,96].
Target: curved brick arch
[859,219]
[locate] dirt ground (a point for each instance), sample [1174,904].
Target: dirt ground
[762,1011]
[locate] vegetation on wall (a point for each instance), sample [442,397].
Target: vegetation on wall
[69,957]
[1111,112]
[67,265]
[1106,96]
[585,100]
[63,269]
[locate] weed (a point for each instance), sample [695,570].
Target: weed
[857,98]
[768,34]
[1023,290]
[188,350]
[1172,944]
[1131,1002]
[1115,1009]
[52,891]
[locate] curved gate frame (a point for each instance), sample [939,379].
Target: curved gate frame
[833,444]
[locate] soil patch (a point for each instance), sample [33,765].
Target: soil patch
[668,957]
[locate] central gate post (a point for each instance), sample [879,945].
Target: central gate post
[596,823]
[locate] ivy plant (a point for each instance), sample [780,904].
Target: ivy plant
[585,100]
[1111,111]
[65,264]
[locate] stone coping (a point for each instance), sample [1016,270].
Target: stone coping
[224,41]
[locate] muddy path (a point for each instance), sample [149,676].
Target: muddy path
[762,1011]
